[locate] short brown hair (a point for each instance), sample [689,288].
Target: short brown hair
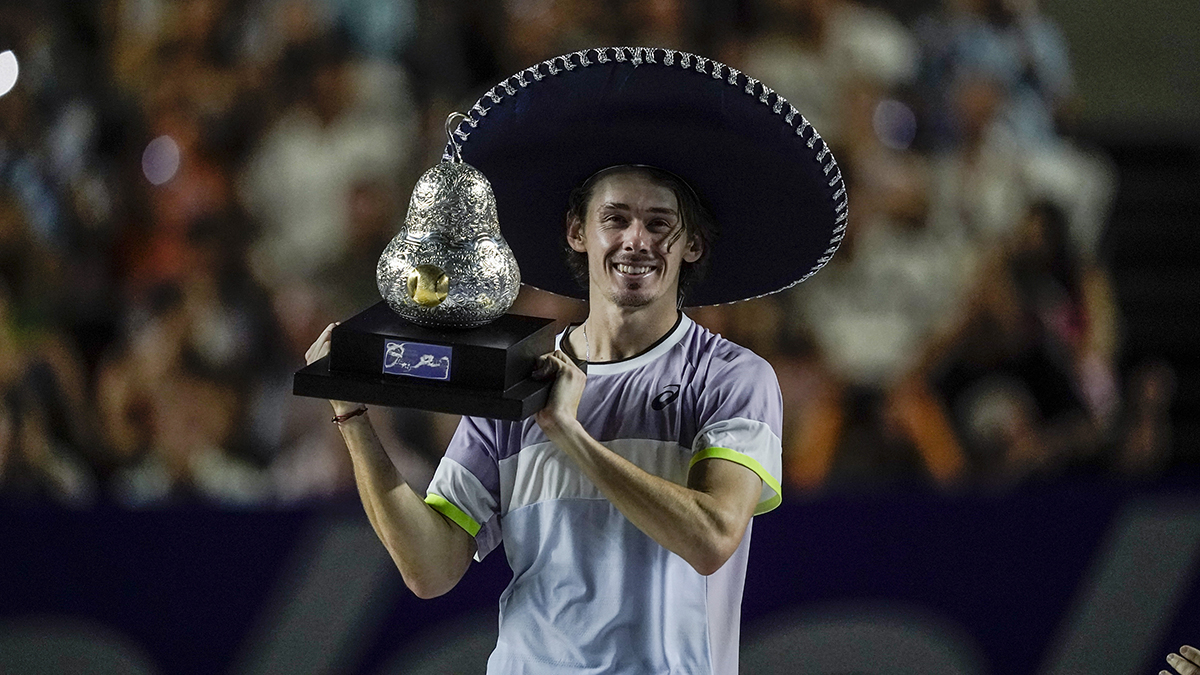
[697,219]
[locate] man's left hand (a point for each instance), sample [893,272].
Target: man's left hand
[563,405]
[1187,661]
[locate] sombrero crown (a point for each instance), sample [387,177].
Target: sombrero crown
[769,178]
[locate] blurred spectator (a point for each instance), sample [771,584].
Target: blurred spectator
[1027,374]
[45,421]
[808,49]
[349,123]
[171,415]
[1008,42]
[1144,449]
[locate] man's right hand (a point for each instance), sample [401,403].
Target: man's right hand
[1187,661]
[319,348]
[316,352]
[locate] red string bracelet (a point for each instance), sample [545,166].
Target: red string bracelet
[338,419]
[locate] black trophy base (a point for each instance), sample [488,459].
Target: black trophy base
[516,403]
[379,358]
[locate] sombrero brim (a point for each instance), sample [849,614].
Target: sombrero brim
[769,178]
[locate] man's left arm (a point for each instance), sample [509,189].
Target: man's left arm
[702,522]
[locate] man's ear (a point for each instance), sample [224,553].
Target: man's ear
[575,237]
[695,250]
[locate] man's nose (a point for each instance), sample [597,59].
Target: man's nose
[637,237]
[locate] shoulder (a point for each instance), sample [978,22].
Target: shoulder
[716,356]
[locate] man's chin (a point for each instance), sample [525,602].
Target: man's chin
[630,299]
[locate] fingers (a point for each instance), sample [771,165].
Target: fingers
[553,363]
[321,347]
[1191,653]
[1186,666]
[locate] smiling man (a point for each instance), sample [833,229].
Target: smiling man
[625,506]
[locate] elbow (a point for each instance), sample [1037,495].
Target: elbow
[713,557]
[427,589]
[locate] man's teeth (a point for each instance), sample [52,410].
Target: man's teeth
[632,269]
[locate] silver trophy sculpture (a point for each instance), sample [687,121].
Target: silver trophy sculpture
[442,339]
[449,266]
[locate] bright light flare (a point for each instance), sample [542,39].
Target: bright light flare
[895,124]
[8,71]
[160,161]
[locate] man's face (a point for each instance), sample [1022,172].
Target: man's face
[634,241]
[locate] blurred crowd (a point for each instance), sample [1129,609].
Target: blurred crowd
[193,189]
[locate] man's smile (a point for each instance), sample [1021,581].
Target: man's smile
[633,270]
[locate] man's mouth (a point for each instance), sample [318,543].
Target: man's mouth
[633,270]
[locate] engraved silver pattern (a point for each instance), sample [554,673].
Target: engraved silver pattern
[451,224]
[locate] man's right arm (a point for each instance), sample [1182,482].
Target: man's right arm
[431,552]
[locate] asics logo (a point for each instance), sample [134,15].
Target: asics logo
[665,398]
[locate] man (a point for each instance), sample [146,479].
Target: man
[624,505]
[611,519]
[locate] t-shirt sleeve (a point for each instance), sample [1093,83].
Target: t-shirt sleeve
[466,485]
[741,419]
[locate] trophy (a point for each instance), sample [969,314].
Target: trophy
[441,339]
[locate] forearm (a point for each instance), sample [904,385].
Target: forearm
[701,527]
[431,553]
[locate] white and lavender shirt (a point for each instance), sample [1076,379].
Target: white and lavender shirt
[590,592]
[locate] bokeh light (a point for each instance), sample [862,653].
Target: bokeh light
[895,124]
[8,71]
[160,161]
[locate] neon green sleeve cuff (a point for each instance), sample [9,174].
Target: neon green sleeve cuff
[444,507]
[750,463]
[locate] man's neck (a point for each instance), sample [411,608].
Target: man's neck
[612,333]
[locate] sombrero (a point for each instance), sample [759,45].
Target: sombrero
[767,175]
